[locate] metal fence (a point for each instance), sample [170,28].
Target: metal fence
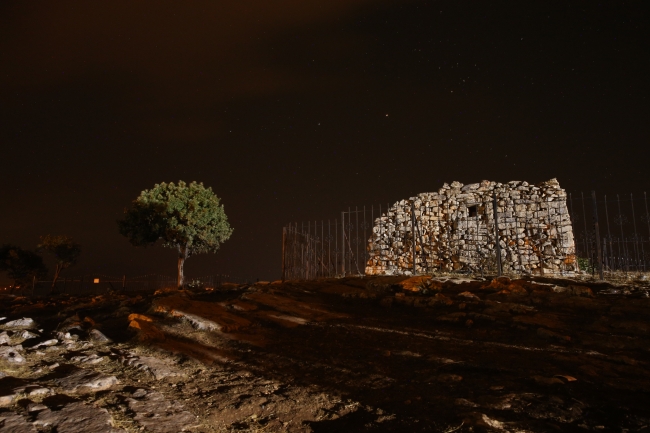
[611,232]
[611,235]
[328,248]
[98,284]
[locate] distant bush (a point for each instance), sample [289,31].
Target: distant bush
[64,249]
[585,265]
[21,265]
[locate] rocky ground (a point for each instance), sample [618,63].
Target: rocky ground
[371,354]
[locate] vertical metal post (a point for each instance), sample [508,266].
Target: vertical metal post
[413,235]
[303,245]
[439,230]
[303,267]
[289,261]
[609,233]
[521,266]
[548,220]
[315,252]
[284,264]
[329,249]
[343,243]
[571,220]
[610,265]
[599,253]
[364,240]
[448,229]
[380,237]
[431,234]
[123,283]
[647,216]
[349,239]
[462,247]
[496,233]
[560,236]
[372,229]
[336,247]
[584,220]
[620,218]
[477,241]
[357,242]
[636,236]
[529,235]
[388,234]
[294,253]
[419,234]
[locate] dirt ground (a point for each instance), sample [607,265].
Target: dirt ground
[342,355]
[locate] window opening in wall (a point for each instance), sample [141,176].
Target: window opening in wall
[472,211]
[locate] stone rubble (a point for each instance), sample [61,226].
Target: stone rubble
[455,231]
[46,343]
[11,354]
[26,335]
[67,383]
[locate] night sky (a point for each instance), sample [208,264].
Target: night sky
[294,110]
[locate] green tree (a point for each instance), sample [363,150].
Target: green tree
[65,250]
[21,265]
[186,217]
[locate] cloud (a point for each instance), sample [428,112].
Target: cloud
[214,48]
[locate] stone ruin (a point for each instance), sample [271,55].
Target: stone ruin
[454,230]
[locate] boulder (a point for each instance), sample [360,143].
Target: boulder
[24,323]
[96,336]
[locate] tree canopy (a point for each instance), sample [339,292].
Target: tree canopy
[187,217]
[64,249]
[21,265]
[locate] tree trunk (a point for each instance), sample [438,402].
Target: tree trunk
[57,271]
[182,255]
[181,262]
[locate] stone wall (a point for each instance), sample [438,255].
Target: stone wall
[455,231]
